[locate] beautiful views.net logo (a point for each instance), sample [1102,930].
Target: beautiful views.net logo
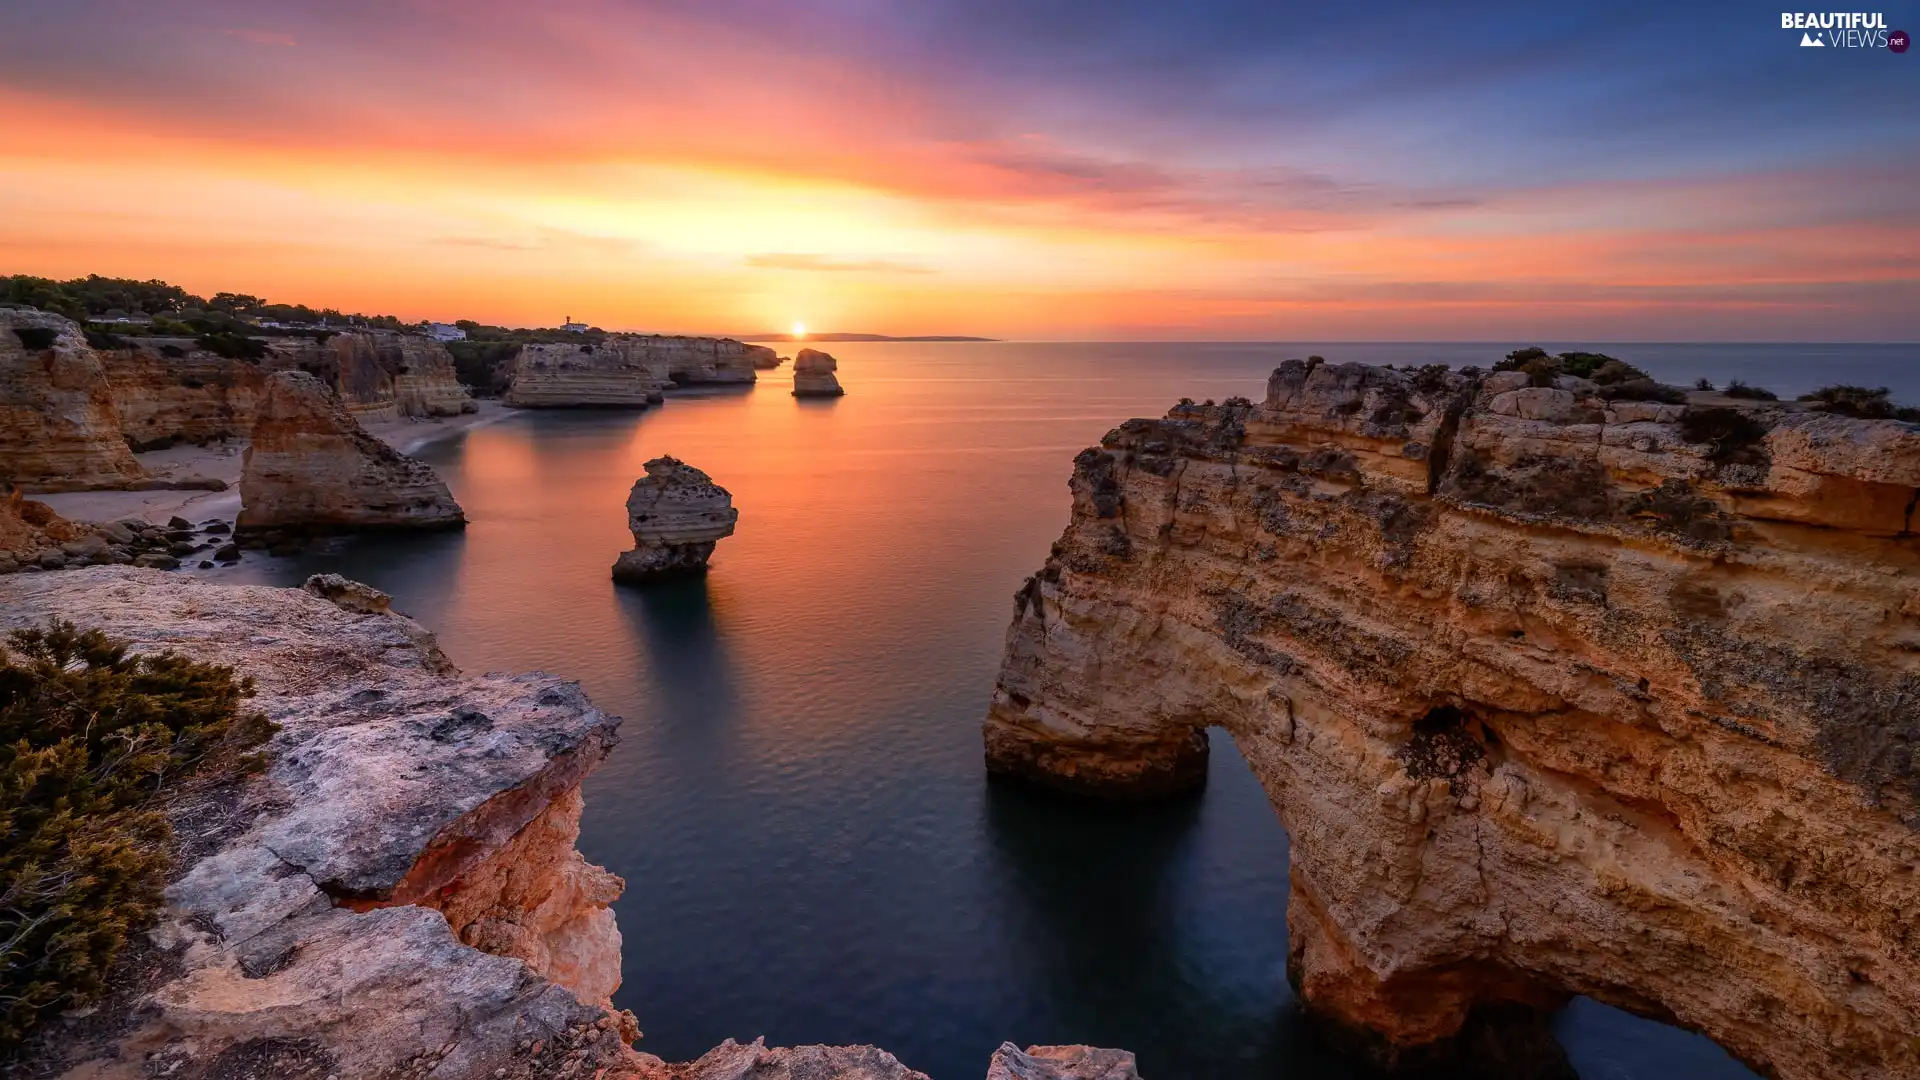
[1844,30]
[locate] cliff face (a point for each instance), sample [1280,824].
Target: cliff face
[813,375]
[59,430]
[626,370]
[310,912]
[170,390]
[1553,694]
[310,467]
[380,376]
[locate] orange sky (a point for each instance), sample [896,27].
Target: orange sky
[655,169]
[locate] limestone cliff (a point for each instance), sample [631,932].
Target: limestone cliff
[59,430]
[313,911]
[609,374]
[311,468]
[170,390]
[676,514]
[382,376]
[1554,694]
[626,370]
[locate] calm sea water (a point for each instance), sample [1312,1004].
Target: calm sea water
[811,849]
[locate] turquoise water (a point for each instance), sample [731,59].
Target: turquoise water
[799,807]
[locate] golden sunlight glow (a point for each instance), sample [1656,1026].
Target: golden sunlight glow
[799,330]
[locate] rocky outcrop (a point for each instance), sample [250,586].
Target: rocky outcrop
[31,535]
[813,375]
[59,430]
[1554,694]
[170,390]
[384,376]
[398,894]
[677,514]
[1061,1063]
[764,358]
[604,375]
[310,468]
[627,370]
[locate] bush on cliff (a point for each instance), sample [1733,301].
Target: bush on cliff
[93,742]
[233,346]
[1862,402]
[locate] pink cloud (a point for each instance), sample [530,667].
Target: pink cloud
[259,37]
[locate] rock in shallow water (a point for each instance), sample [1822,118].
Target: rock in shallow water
[813,375]
[677,514]
[1061,1063]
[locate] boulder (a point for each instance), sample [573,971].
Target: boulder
[676,514]
[813,375]
[1061,1063]
[312,469]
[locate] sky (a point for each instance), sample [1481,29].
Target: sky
[1030,169]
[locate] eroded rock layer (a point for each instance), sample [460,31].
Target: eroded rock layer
[626,370]
[813,375]
[1554,695]
[314,911]
[59,430]
[310,467]
[676,514]
[170,390]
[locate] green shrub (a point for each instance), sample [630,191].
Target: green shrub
[1643,389]
[1729,434]
[36,337]
[233,346]
[1861,402]
[1703,383]
[1738,389]
[92,742]
[101,339]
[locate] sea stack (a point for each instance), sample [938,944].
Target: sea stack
[677,513]
[312,469]
[813,375]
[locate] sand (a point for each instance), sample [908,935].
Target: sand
[223,462]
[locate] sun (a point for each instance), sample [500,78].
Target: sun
[799,330]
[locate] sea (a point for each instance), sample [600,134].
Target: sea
[798,804]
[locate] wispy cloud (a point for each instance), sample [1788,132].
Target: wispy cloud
[546,239]
[259,37]
[805,261]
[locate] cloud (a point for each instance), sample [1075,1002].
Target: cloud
[259,37]
[546,238]
[805,261]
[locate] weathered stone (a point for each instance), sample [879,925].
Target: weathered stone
[1061,1063]
[311,468]
[58,427]
[1554,706]
[757,1061]
[407,815]
[625,370]
[813,375]
[676,514]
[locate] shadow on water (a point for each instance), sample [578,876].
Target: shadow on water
[673,622]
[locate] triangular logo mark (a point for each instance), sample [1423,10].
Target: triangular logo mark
[1808,41]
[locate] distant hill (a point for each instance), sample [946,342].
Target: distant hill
[857,337]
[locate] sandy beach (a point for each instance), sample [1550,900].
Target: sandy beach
[223,462]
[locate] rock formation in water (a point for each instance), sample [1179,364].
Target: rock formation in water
[58,427]
[1554,694]
[626,370]
[765,359]
[1061,1063]
[813,375]
[588,375]
[310,468]
[676,513]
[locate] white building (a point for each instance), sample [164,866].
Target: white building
[440,331]
[573,327]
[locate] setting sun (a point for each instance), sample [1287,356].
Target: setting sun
[799,330]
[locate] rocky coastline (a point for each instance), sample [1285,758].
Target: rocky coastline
[1555,692]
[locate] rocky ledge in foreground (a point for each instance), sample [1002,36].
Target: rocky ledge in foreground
[1554,694]
[310,468]
[813,375]
[676,514]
